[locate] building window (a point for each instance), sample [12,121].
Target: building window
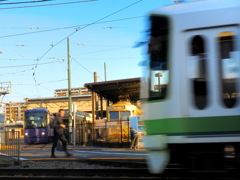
[228,66]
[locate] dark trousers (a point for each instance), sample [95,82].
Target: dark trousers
[134,140]
[62,139]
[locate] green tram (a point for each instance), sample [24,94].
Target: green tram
[191,87]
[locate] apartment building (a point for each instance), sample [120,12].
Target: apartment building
[14,111]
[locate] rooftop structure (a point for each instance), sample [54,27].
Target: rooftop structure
[74,91]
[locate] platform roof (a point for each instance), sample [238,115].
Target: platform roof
[111,90]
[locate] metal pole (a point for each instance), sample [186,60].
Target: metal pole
[69,96]
[18,134]
[93,111]
[121,132]
[128,130]
[74,126]
[101,106]
[105,71]
[96,97]
[95,103]
[159,87]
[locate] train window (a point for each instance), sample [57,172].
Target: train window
[124,115]
[228,66]
[158,51]
[199,76]
[35,120]
[114,116]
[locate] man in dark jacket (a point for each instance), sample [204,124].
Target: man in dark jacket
[134,138]
[59,126]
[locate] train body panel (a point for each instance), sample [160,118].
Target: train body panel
[192,84]
[37,126]
[36,136]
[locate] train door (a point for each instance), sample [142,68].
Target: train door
[212,61]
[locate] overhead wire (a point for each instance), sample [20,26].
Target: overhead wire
[68,27]
[20,93]
[36,1]
[81,29]
[77,29]
[16,72]
[37,90]
[97,27]
[103,50]
[44,88]
[27,65]
[84,67]
[41,83]
[48,4]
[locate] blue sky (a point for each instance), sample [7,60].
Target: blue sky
[110,42]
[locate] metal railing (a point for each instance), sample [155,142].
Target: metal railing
[107,134]
[10,144]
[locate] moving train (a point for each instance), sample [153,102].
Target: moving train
[191,87]
[37,126]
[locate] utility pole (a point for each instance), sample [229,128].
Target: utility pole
[107,101]
[93,112]
[96,97]
[69,98]
[105,71]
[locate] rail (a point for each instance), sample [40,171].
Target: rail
[116,174]
[10,144]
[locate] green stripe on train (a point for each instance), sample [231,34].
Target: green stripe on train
[194,126]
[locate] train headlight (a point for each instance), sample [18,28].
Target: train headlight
[26,134]
[43,133]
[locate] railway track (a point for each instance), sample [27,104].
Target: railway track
[114,174]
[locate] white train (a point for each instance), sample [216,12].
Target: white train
[191,89]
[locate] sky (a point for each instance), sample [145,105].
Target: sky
[33,43]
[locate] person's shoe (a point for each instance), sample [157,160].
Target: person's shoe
[53,156]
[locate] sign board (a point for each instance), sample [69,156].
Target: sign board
[112,124]
[78,113]
[100,124]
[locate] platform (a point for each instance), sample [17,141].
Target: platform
[38,152]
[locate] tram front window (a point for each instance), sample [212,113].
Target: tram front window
[124,115]
[114,116]
[158,50]
[35,120]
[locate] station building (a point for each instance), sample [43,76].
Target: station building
[90,101]
[13,112]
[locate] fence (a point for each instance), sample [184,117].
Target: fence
[105,134]
[10,144]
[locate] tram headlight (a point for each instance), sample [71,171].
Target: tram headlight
[43,133]
[26,134]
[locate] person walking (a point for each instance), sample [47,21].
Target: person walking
[58,127]
[134,138]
